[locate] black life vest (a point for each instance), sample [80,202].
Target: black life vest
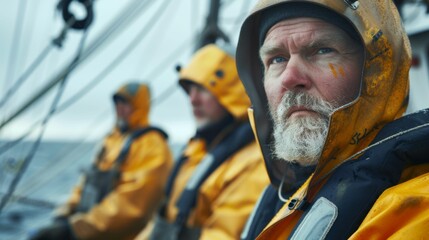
[99,183]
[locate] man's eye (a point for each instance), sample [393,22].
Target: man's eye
[324,50]
[277,60]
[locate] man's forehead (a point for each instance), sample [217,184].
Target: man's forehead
[299,10]
[296,21]
[313,32]
[304,24]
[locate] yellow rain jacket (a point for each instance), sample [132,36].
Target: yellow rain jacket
[365,133]
[126,209]
[227,196]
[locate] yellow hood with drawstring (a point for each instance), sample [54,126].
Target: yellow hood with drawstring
[384,88]
[215,70]
[352,127]
[129,206]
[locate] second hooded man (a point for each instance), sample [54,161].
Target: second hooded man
[220,174]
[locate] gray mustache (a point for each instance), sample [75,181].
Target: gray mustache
[303,99]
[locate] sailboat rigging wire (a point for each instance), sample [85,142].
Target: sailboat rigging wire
[119,24]
[58,41]
[124,19]
[179,50]
[101,76]
[245,9]
[32,201]
[195,10]
[62,161]
[239,17]
[165,94]
[30,29]
[36,144]
[69,102]
[20,16]
[9,145]
[39,59]
[225,3]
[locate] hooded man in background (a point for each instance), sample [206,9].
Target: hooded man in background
[220,174]
[328,81]
[124,186]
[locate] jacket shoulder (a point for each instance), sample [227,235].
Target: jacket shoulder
[401,212]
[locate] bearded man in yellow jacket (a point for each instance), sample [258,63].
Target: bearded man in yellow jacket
[220,174]
[124,186]
[328,81]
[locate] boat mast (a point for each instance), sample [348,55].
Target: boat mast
[211,32]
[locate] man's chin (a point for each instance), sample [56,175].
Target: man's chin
[302,162]
[299,117]
[122,125]
[298,142]
[201,123]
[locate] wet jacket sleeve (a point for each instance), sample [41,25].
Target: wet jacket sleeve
[401,212]
[131,204]
[233,195]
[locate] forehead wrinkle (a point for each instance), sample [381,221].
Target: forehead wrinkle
[321,42]
[315,41]
[269,49]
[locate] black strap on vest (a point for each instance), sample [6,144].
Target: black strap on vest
[355,185]
[99,183]
[238,138]
[209,134]
[170,183]
[135,134]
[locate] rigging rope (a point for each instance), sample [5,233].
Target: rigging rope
[58,41]
[101,76]
[20,16]
[120,23]
[73,99]
[35,146]
[62,161]
[165,94]
[13,89]
[9,145]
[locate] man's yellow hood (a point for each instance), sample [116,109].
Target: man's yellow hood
[384,89]
[139,97]
[215,70]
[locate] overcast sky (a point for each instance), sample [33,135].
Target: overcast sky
[92,116]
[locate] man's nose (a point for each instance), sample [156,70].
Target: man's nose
[194,95]
[296,75]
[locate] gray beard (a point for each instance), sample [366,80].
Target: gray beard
[300,139]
